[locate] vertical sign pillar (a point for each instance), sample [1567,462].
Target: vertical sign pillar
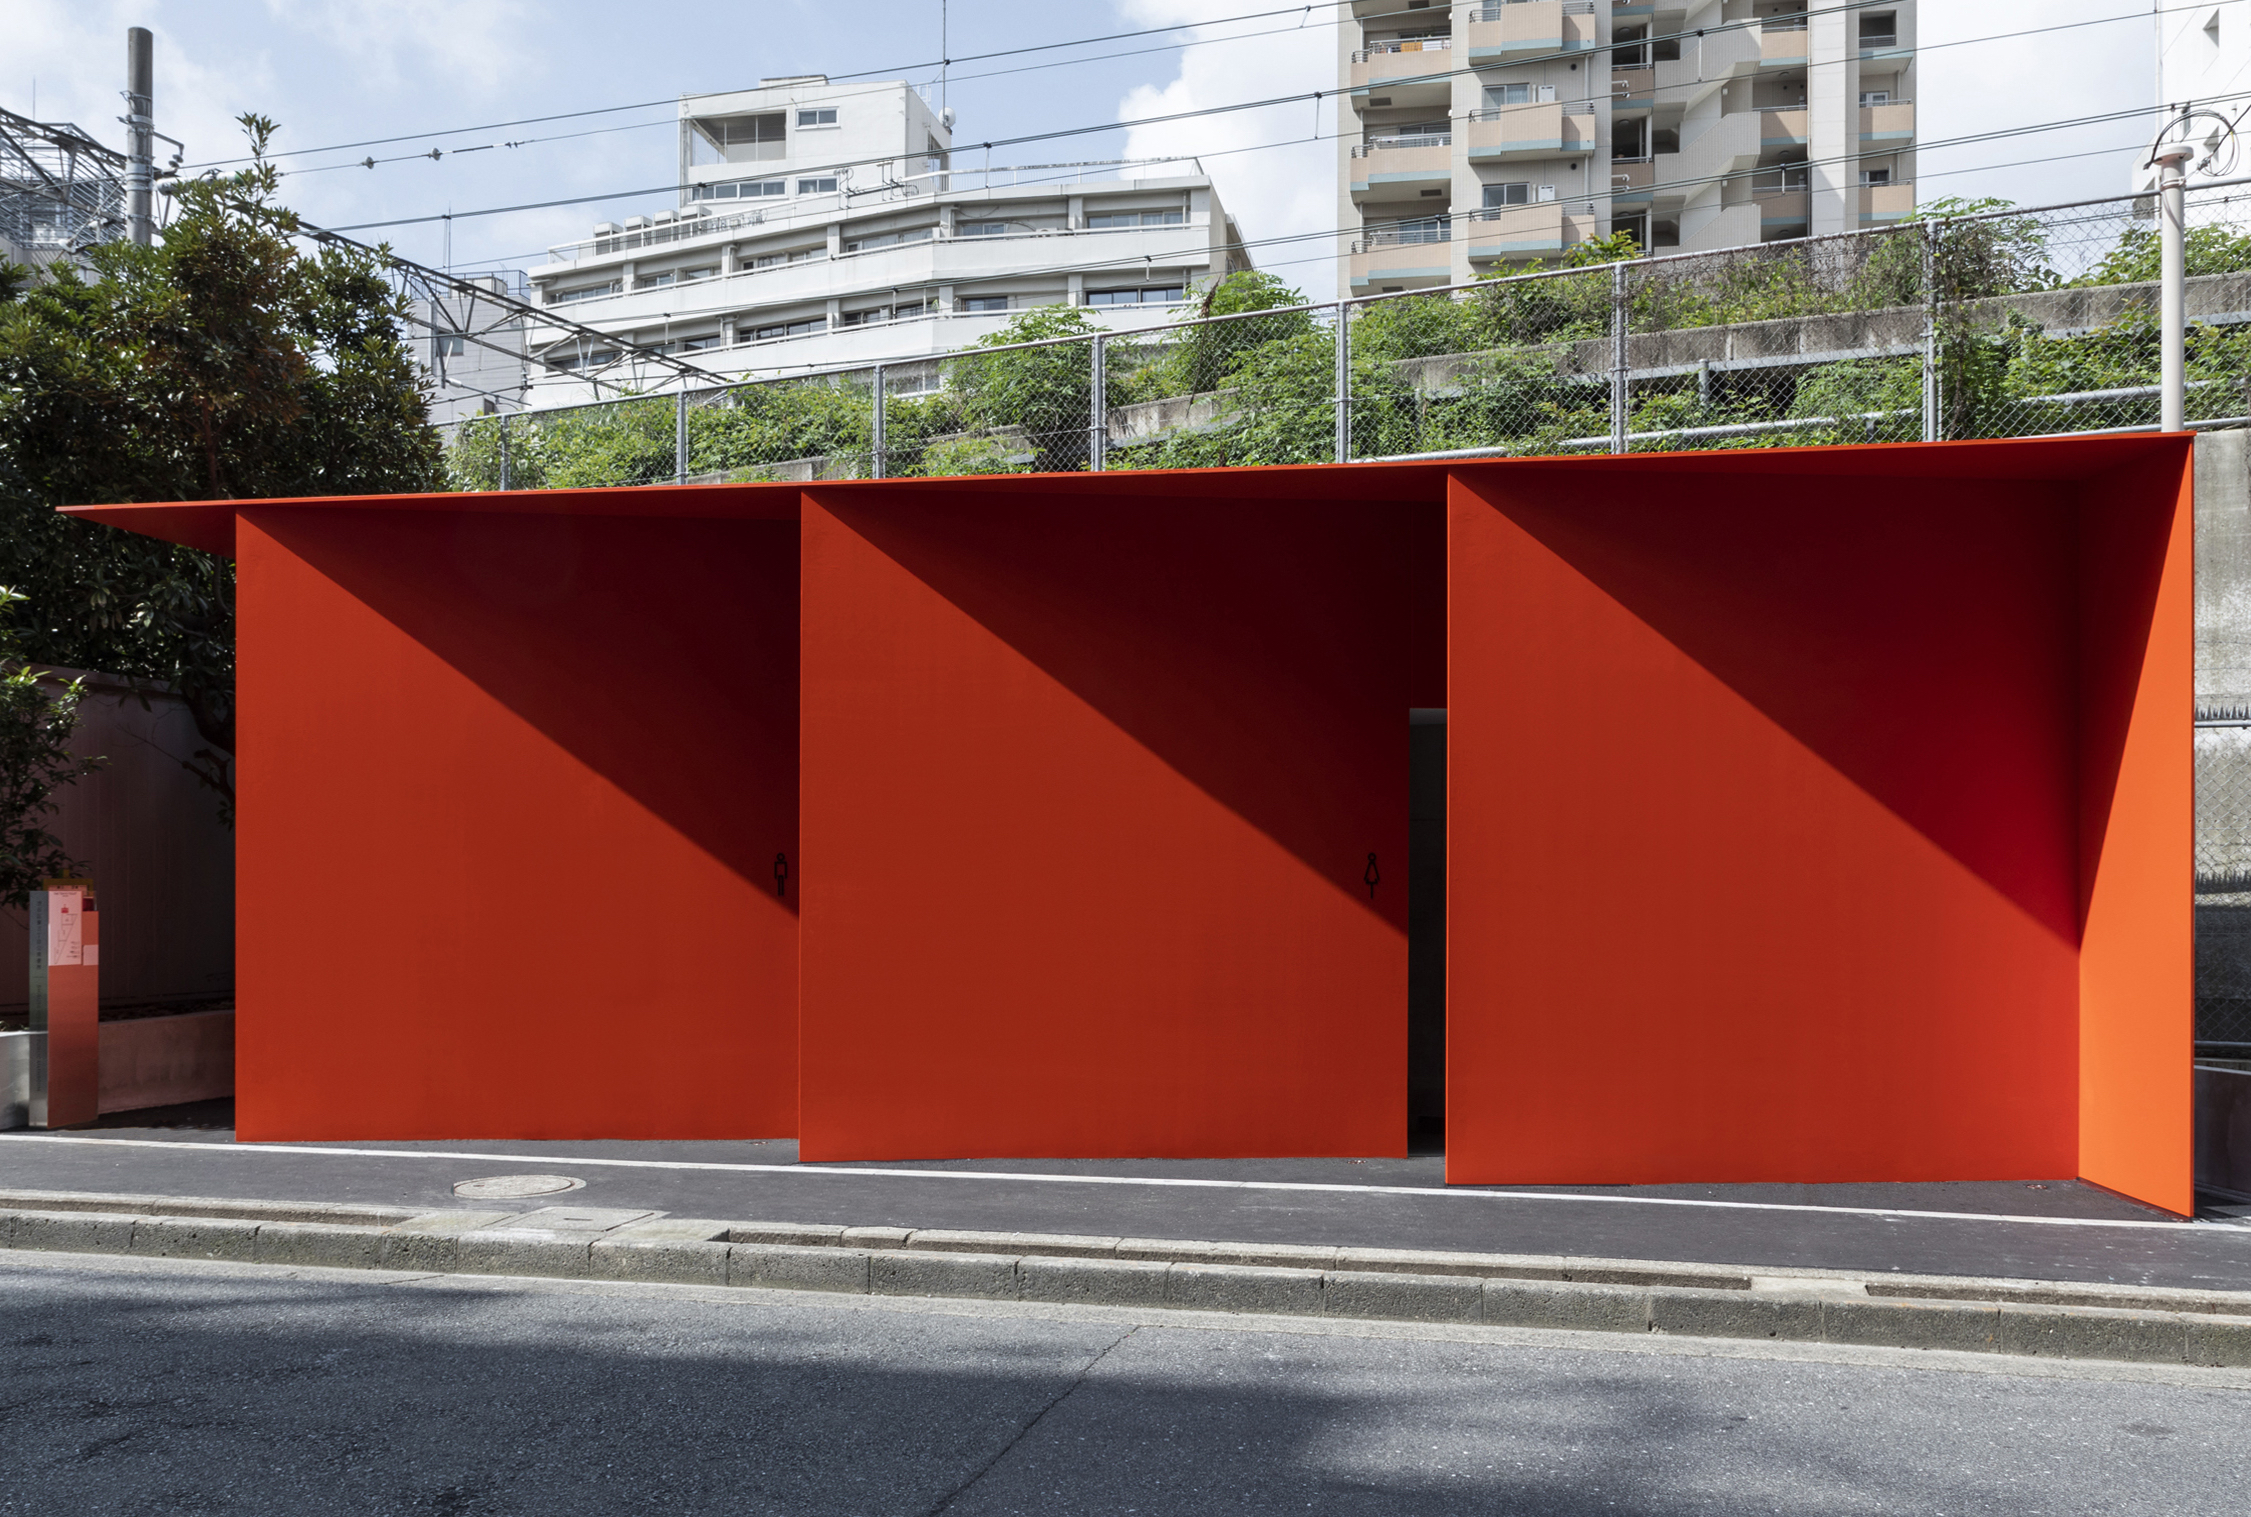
[65,1004]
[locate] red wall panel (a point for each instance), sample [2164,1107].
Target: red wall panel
[510,792]
[1762,828]
[1089,793]
[2137,995]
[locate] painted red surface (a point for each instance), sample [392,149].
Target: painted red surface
[511,789]
[1090,790]
[1815,814]
[1799,897]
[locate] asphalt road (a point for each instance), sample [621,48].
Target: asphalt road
[143,1386]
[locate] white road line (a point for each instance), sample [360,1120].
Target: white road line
[1456,1192]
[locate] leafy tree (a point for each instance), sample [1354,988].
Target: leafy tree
[1045,393]
[35,762]
[2204,250]
[221,363]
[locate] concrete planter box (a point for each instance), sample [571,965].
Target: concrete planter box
[15,1079]
[163,1061]
[150,1061]
[2223,1131]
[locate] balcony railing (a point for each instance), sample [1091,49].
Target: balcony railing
[1790,23]
[1870,44]
[1503,112]
[1413,45]
[1507,212]
[1404,236]
[1423,139]
[1763,185]
[1492,12]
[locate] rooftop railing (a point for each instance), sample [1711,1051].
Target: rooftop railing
[811,210]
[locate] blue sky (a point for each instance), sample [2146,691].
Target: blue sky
[337,74]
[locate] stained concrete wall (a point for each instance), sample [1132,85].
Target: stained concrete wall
[2223,566]
[161,858]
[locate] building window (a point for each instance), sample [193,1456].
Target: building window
[698,344]
[740,189]
[1875,176]
[825,185]
[812,327]
[1106,220]
[655,281]
[1147,295]
[583,292]
[1879,30]
[1508,94]
[910,308]
[984,303]
[826,116]
[737,139]
[448,345]
[981,229]
[1507,194]
[776,260]
[1875,97]
[705,272]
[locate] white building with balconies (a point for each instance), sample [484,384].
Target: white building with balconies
[826,225]
[1498,132]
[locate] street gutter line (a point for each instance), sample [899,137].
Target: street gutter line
[1454,1191]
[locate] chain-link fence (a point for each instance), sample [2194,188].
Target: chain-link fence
[1994,324]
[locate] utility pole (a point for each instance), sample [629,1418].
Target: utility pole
[2172,211]
[140,133]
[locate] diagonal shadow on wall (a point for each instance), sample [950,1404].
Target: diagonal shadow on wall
[1920,636]
[659,652]
[1266,650]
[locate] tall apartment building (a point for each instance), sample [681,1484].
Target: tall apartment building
[1500,133]
[821,224]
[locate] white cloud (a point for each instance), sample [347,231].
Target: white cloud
[1277,191]
[478,47]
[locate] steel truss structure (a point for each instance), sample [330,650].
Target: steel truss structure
[61,192]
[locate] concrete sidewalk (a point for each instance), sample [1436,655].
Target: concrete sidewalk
[2054,1231]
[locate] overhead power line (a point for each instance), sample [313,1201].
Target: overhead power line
[642,105]
[1297,98]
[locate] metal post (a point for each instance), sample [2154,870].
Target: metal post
[680,438]
[140,130]
[1098,407]
[1619,379]
[504,453]
[875,468]
[2172,210]
[1344,383]
[1930,331]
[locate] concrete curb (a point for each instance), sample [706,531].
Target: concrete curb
[2014,1317]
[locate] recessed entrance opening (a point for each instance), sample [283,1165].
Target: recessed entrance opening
[1426,930]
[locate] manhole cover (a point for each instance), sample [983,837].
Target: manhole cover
[507,1187]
